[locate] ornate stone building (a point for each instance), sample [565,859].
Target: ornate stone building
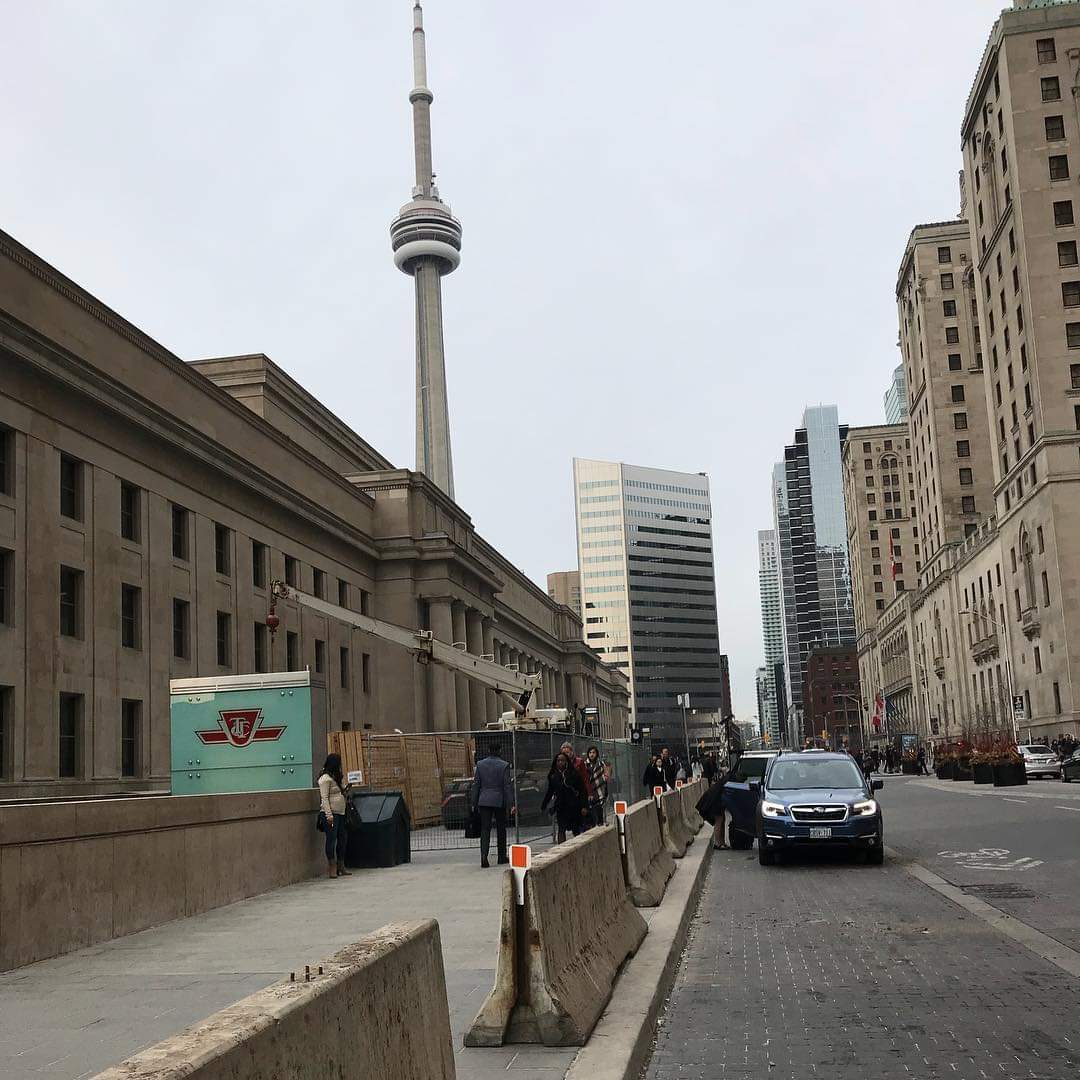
[145,506]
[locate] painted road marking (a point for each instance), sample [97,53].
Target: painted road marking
[1022,801]
[990,859]
[1039,943]
[1074,809]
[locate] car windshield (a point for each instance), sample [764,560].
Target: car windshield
[1035,749]
[750,768]
[827,773]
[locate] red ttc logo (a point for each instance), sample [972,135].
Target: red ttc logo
[240,728]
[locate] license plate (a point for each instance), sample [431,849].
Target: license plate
[820,832]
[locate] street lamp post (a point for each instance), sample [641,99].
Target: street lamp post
[684,703]
[847,726]
[1008,663]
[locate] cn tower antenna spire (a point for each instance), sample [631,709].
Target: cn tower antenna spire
[426,241]
[421,98]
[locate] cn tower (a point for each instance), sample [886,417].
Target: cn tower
[426,241]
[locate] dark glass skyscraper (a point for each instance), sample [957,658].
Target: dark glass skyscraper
[811,541]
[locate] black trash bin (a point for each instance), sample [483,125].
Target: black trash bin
[383,836]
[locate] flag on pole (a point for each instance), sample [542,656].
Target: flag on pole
[892,560]
[879,710]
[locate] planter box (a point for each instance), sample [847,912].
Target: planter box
[1010,775]
[945,770]
[909,768]
[983,773]
[963,770]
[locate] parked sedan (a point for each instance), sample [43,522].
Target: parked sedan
[1040,760]
[1070,768]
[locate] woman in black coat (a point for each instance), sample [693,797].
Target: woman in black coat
[653,777]
[567,792]
[711,807]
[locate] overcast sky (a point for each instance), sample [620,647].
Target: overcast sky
[682,221]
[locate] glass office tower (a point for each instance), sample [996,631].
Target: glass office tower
[648,589]
[811,533]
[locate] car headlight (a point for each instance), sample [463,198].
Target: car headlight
[772,809]
[863,809]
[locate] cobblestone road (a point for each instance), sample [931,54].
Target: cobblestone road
[848,971]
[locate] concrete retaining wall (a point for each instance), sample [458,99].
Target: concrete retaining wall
[674,829]
[648,863]
[378,1009]
[565,946]
[78,873]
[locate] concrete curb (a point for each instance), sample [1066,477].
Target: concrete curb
[620,1043]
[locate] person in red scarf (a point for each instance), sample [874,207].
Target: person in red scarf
[581,767]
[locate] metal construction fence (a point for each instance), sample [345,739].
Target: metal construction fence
[434,772]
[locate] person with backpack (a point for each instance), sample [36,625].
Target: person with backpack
[332,791]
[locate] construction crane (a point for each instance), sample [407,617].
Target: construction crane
[520,687]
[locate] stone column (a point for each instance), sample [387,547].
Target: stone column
[492,701]
[461,684]
[443,699]
[578,687]
[474,636]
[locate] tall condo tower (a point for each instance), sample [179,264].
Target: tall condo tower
[426,241]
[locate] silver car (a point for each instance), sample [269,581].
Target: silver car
[1040,760]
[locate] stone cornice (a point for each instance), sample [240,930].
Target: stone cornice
[257,369]
[110,395]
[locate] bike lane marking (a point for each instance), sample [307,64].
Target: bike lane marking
[1035,941]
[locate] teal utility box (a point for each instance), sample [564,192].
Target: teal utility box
[241,733]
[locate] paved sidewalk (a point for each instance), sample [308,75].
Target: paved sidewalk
[70,1017]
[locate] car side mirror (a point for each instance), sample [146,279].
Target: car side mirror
[876,785]
[755,786]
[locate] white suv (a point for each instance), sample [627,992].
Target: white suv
[1040,760]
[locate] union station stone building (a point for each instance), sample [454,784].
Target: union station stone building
[147,503]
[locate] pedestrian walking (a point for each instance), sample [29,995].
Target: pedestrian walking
[920,761]
[566,793]
[332,815]
[653,776]
[492,797]
[598,773]
[669,767]
[710,769]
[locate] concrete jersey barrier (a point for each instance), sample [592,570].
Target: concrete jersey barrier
[559,953]
[648,863]
[674,829]
[378,1009]
[691,795]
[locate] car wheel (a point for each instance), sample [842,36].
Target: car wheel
[875,856]
[765,857]
[1064,777]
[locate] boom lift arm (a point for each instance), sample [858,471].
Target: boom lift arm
[423,645]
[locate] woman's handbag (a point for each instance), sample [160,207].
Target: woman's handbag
[472,826]
[352,816]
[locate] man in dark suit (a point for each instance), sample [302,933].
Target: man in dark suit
[493,798]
